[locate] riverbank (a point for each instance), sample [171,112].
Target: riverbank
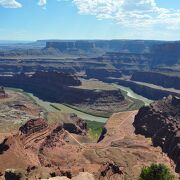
[147,90]
[130,93]
[134,100]
[56,107]
[130,102]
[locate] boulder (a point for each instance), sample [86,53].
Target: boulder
[12,174]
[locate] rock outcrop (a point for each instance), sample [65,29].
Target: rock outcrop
[111,171]
[75,125]
[33,126]
[161,122]
[12,174]
[56,135]
[3,146]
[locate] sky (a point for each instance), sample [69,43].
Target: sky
[89,19]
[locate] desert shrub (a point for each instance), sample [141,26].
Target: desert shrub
[156,172]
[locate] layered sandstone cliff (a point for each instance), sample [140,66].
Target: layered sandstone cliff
[163,80]
[166,53]
[105,45]
[161,122]
[101,73]
[63,88]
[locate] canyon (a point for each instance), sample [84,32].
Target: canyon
[66,89]
[50,87]
[152,62]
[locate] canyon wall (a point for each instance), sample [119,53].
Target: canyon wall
[59,87]
[134,46]
[101,73]
[167,53]
[161,122]
[144,90]
[163,80]
[123,56]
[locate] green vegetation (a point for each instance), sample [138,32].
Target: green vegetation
[94,129]
[156,172]
[82,114]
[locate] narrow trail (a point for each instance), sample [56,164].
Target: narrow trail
[74,139]
[132,114]
[102,145]
[107,144]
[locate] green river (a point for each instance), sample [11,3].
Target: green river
[65,109]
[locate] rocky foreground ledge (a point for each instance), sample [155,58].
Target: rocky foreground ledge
[161,121]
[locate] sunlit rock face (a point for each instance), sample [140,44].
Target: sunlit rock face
[161,121]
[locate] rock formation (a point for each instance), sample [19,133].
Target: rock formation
[3,146]
[161,122]
[76,125]
[12,174]
[166,53]
[163,80]
[148,91]
[62,88]
[33,126]
[110,171]
[136,46]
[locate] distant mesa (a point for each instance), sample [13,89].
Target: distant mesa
[133,46]
[166,53]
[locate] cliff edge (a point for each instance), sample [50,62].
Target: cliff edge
[161,121]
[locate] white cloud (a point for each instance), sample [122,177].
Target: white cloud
[130,13]
[10,4]
[136,13]
[16,4]
[42,2]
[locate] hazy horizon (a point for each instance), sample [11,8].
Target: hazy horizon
[36,40]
